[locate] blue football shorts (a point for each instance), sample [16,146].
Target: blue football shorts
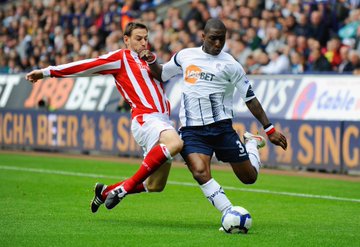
[219,138]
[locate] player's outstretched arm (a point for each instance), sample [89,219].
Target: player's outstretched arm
[150,58]
[274,136]
[34,75]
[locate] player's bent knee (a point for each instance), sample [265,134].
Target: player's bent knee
[201,176]
[156,188]
[175,147]
[178,145]
[249,180]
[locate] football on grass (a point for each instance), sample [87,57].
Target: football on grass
[236,220]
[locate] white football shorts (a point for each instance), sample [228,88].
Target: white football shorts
[146,129]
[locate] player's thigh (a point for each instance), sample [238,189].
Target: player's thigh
[157,180]
[147,129]
[229,148]
[245,172]
[171,139]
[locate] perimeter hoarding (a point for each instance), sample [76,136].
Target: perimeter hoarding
[332,146]
[326,97]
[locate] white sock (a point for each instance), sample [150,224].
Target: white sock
[216,195]
[251,147]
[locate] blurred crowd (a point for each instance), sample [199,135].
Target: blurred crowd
[265,36]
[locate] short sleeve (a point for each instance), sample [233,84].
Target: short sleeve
[242,83]
[171,68]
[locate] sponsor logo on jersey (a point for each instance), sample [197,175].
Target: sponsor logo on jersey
[193,73]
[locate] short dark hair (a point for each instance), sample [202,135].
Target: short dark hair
[214,24]
[133,25]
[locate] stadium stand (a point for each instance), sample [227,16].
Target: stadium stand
[267,37]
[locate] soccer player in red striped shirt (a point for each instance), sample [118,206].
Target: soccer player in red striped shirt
[150,108]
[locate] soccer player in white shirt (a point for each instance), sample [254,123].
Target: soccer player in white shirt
[210,77]
[151,126]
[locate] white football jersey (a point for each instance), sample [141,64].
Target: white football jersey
[208,85]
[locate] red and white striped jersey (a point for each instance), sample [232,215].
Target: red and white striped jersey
[132,77]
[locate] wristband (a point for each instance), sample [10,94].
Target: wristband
[46,72]
[269,129]
[153,61]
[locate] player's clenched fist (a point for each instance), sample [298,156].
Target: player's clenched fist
[148,56]
[34,75]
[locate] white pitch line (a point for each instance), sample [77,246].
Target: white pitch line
[91,175]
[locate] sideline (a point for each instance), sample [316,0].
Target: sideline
[92,175]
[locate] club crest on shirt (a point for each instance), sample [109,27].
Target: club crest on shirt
[140,64]
[193,73]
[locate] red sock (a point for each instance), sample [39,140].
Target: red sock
[153,160]
[138,189]
[110,188]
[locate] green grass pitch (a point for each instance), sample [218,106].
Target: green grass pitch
[45,202]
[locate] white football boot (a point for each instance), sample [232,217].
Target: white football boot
[260,140]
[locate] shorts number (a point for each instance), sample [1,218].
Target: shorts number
[241,148]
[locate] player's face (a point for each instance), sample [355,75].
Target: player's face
[137,41]
[214,41]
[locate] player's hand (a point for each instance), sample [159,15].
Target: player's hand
[278,139]
[34,76]
[148,56]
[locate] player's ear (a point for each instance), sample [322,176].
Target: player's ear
[126,40]
[203,36]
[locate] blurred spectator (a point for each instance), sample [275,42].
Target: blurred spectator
[290,23]
[349,31]
[290,44]
[253,41]
[302,46]
[251,66]
[261,58]
[302,28]
[318,28]
[194,13]
[317,62]
[274,40]
[279,64]
[354,58]
[297,62]
[332,52]
[239,50]
[345,65]
[202,8]
[129,12]
[339,12]
[214,8]
[4,66]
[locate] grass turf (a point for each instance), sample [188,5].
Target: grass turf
[45,202]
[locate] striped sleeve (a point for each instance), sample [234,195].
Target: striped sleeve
[106,64]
